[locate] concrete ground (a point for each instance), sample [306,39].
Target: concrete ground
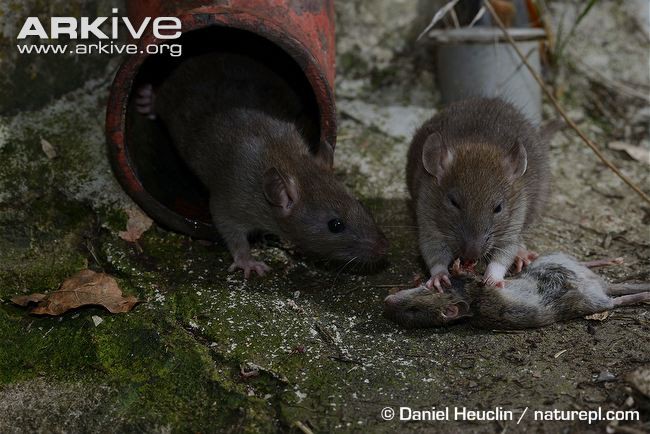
[321,355]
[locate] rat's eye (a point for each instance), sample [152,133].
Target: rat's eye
[336,225]
[453,201]
[498,209]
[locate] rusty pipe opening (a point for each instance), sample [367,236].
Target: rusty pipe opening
[142,155]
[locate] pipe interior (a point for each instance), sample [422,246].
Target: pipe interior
[154,158]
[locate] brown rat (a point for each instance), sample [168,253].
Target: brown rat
[555,287]
[478,174]
[237,124]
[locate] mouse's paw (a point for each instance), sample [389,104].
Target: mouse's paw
[494,275]
[492,282]
[249,265]
[144,101]
[462,269]
[417,279]
[523,259]
[438,281]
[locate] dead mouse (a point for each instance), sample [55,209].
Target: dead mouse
[555,287]
[236,123]
[478,174]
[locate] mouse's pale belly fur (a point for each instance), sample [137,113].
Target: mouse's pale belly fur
[554,288]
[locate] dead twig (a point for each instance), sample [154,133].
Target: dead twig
[561,111]
[302,427]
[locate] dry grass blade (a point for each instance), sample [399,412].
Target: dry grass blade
[638,153]
[438,16]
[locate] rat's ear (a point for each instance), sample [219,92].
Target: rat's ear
[325,155]
[456,311]
[280,190]
[516,161]
[436,156]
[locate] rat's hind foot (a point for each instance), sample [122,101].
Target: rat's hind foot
[144,101]
[523,259]
[439,280]
[249,265]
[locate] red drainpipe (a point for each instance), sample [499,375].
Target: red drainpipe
[302,28]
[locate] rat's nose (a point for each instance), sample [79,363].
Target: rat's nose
[391,303]
[471,252]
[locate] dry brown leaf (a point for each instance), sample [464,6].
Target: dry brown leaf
[598,316]
[82,289]
[26,300]
[137,224]
[48,149]
[637,152]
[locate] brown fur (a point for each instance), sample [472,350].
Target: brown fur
[237,125]
[482,134]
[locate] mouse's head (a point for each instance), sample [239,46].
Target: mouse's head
[315,212]
[422,307]
[477,193]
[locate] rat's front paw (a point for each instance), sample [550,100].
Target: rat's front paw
[249,265]
[144,101]
[438,280]
[524,258]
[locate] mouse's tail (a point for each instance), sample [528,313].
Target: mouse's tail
[628,288]
[603,262]
[626,300]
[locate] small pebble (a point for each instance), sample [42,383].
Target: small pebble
[605,376]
